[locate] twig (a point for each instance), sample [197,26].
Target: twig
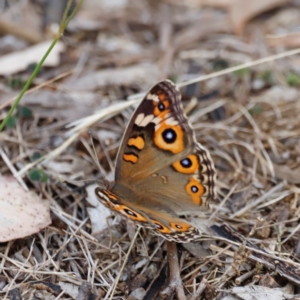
[200,289]
[239,280]
[175,279]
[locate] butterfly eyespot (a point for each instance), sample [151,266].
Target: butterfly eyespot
[194,189]
[130,212]
[184,227]
[135,216]
[161,106]
[161,228]
[169,135]
[158,226]
[186,163]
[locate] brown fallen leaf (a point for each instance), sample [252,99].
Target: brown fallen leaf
[285,173]
[9,27]
[18,61]
[242,11]
[21,20]
[69,288]
[98,213]
[260,293]
[207,25]
[121,76]
[290,40]
[268,281]
[218,3]
[21,213]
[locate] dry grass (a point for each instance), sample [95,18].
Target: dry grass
[249,120]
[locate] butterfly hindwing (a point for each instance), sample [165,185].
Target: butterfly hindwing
[162,223]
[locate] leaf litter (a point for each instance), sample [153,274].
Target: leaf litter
[247,118]
[22,213]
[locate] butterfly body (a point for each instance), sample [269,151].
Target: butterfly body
[161,171]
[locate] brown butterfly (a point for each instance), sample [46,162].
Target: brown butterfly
[162,172]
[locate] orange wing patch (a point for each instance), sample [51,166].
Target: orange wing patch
[137,142]
[168,137]
[188,165]
[182,227]
[128,212]
[160,227]
[110,195]
[161,108]
[161,104]
[195,189]
[161,95]
[130,158]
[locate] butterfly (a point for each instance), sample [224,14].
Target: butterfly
[161,172]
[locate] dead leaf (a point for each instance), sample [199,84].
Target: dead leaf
[255,292]
[66,105]
[69,288]
[278,94]
[268,281]
[242,11]
[47,286]
[214,23]
[68,165]
[285,173]
[290,40]
[231,297]
[9,27]
[98,213]
[21,213]
[138,293]
[122,76]
[21,20]
[218,3]
[19,61]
